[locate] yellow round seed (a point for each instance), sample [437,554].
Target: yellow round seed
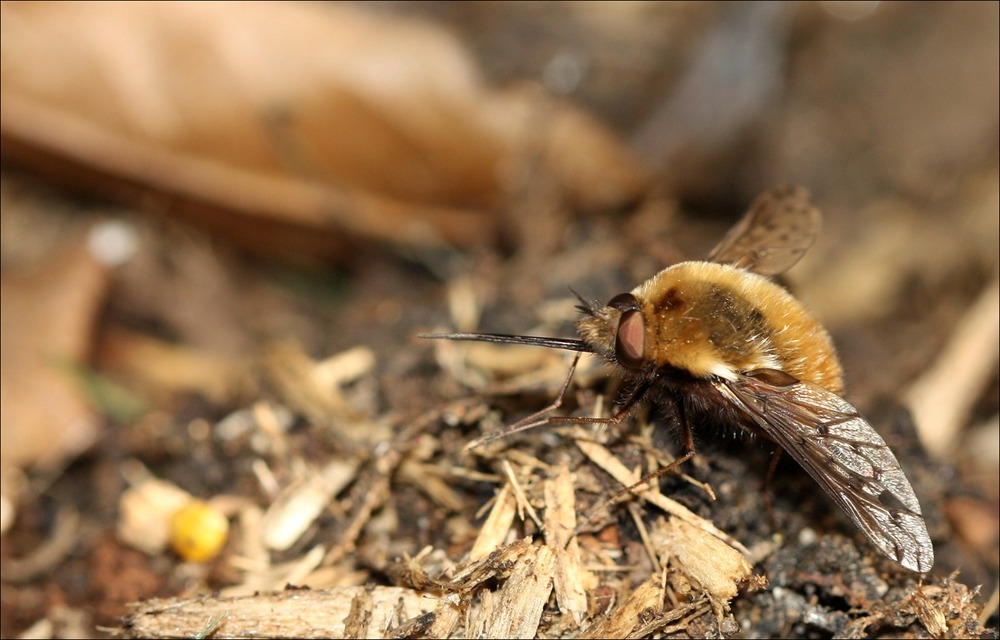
[198,531]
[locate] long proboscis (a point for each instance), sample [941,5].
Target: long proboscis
[568,344]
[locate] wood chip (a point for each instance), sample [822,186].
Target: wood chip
[295,510]
[298,613]
[345,367]
[571,579]
[144,514]
[627,478]
[517,609]
[942,398]
[497,526]
[717,567]
[446,618]
[427,478]
[170,366]
[620,622]
[497,565]
[523,504]
[375,495]
[359,618]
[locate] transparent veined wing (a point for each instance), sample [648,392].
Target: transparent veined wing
[776,231]
[844,454]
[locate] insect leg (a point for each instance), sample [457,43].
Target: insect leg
[686,425]
[626,408]
[536,419]
[766,488]
[688,454]
[689,449]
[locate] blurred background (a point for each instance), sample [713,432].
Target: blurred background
[206,205]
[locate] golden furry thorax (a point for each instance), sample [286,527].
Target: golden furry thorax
[716,320]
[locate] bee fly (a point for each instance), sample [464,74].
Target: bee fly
[724,344]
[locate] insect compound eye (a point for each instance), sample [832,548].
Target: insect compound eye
[625,302]
[630,340]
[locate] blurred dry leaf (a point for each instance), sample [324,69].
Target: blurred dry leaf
[47,322]
[171,367]
[291,127]
[144,513]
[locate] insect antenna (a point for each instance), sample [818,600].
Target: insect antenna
[588,307]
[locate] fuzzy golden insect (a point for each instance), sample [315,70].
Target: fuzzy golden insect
[719,343]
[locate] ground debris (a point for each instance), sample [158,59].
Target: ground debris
[294,399]
[856,600]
